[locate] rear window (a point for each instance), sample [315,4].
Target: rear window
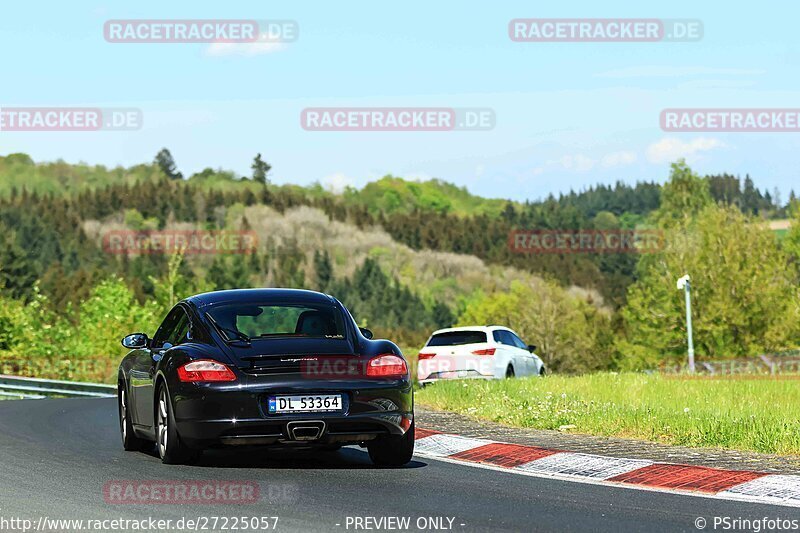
[262,321]
[453,338]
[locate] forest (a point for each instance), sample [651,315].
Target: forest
[406,257]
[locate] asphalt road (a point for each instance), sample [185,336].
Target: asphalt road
[56,456]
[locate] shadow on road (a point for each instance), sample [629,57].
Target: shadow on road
[349,458]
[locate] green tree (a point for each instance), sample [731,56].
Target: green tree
[26,328]
[177,283]
[260,169]
[111,312]
[17,272]
[683,196]
[606,220]
[167,165]
[791,242]
[567,330]
[323,269]
[229,272]
[744,293]
[442,315]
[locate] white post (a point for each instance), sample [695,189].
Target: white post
[685,284]
[689,324]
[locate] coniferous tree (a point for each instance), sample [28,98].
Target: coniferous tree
[260,169]
[323,269]
[167,165]
[17,274]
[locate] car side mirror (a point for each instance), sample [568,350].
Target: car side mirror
[531,347]
[136,341]
[366,332]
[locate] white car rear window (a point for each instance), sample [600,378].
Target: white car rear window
[455,338]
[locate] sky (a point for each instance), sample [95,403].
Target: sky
[567,115]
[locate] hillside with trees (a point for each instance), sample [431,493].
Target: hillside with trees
[407,257]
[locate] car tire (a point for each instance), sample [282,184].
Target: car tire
[392,451]
[130,442]
[510,372]
[170,447]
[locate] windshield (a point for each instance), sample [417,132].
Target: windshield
[453,338]
[254,321]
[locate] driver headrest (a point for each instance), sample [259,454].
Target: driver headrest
[313,323]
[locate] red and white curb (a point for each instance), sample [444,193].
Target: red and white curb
[739,485]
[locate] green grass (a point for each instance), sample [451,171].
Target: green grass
[761,415]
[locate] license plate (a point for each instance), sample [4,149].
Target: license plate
[307,403]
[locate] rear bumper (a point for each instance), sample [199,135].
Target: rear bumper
[453,375]
[458,367]
[236,414]
[337,430]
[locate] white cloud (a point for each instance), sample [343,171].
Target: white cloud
[337,183]
[256,48]
[578,163]
[618,159]
[661,71]
[716,84]
[581,163]
[670,149]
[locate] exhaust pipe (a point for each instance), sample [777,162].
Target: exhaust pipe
[305,430]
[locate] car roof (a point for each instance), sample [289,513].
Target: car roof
[265,296]
[470,328]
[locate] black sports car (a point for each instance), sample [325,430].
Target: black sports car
[264,367]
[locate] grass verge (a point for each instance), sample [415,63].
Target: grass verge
[761,415]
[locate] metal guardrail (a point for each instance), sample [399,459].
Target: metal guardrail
[36,388]
[786,362]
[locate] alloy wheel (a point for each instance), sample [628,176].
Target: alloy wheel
[163,423]
[123,414]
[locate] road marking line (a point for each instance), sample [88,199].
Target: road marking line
[776,488]
[584,465]
[638,474]
[699,478]
[507,455]
[606,483]
[420,433]
[444,445]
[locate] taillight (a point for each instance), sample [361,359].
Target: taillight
[422,356]
[485,351]
[205,370]
[387,366]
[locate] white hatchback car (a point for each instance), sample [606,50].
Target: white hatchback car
[483,352]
